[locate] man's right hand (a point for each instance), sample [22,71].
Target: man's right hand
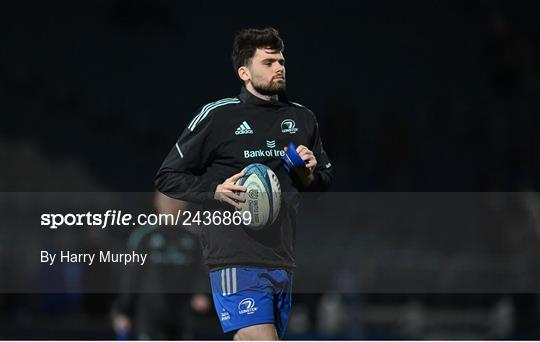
[225,192]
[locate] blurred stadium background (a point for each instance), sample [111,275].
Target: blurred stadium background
[416,97]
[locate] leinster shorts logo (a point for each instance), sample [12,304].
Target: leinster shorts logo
[288,126]
[247,306]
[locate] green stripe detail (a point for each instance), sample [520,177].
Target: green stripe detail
[207,108]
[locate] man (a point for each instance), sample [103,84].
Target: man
[250,271]
[167,298]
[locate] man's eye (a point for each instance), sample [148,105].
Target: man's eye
[268,64]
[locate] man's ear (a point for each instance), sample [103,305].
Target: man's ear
[243,73]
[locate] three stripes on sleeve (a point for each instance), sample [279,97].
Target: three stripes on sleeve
[209,107]
[203,114]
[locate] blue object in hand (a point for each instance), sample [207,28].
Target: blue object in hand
[292,159]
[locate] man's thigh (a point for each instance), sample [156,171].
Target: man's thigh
[264,332]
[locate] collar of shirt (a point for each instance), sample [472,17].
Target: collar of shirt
[247,97]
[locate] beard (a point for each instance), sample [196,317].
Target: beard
[271,88]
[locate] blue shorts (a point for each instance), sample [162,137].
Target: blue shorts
[248,296]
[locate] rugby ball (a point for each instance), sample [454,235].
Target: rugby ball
[263,195]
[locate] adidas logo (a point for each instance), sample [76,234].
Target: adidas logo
[243,129]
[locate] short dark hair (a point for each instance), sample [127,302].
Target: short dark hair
[247,41]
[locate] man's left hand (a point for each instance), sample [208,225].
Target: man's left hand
[307,156]
[306,174]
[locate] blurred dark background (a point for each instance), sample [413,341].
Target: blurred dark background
[413,96]
[422,95]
